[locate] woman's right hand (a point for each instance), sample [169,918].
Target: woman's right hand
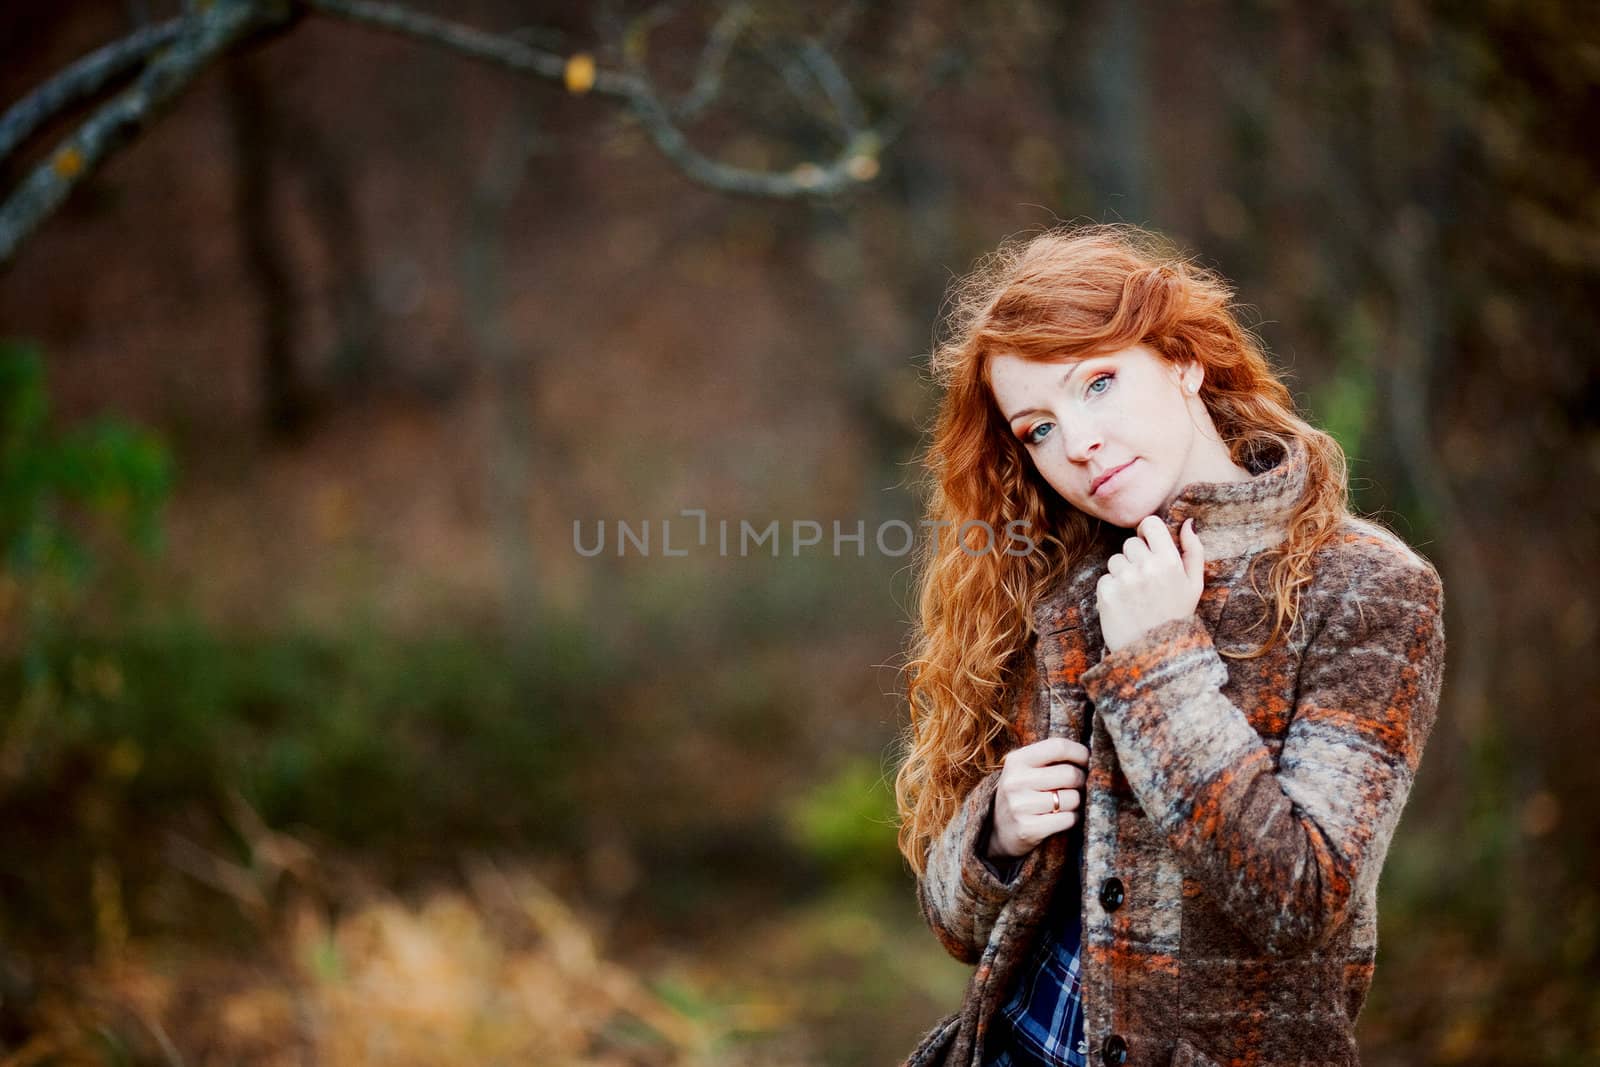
[1025,806]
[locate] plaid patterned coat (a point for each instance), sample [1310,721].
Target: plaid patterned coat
[1237,811]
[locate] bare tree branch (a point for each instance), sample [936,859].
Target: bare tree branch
[713,61]
[813,67]
[841,94]
[853,165]
[468,40]
[802,87]
[635,33]
[203,35]
[81,80]
[175,52]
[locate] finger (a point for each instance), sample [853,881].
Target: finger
[1036,792]
[1052,750]
[1050,802]
[1194,557]
[1135,549]
[1043,799]
[1046,825]
[1048,777]
[1057,776]
[1047,801]
[1156,536]
[1047,751]
[1071,799]
[1117,564]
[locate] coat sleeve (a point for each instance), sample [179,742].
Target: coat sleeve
[961,891]
[1285,849]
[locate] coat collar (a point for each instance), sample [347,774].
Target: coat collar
[1243,518]
[1232,518]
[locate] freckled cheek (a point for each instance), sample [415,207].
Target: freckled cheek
[1114,417]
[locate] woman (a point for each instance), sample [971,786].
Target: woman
[1156,761]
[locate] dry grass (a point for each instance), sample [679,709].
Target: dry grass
[495,970]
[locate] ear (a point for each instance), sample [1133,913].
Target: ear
[1191,377]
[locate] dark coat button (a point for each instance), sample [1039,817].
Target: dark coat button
[1111,895]
[1114,1051]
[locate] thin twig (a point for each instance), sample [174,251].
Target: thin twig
[841,94]
[802,87]
[713,61]
[468,40]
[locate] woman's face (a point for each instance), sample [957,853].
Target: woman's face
[1117,435]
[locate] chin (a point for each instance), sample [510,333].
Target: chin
[1126,515]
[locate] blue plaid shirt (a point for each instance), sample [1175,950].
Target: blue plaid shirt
[1041,1024]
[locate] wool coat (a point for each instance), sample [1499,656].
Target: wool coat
[1237,811]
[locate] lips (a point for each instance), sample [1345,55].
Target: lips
[1105,478]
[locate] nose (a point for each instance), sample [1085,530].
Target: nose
[1080,440]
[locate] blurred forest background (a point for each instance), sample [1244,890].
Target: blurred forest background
[320,743]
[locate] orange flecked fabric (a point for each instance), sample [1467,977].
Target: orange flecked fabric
[1245,805]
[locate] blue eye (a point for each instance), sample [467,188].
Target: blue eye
[1106,378]
[1033,436]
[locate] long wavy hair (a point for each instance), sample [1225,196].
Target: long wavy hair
[1068,292]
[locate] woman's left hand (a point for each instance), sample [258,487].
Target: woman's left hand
[1149,582]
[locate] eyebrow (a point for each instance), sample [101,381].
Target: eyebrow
[1065,378]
